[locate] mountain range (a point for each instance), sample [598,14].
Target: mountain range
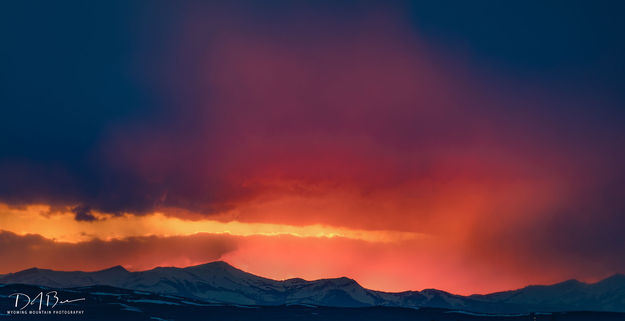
[220,283]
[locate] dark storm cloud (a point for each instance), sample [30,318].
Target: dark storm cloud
[460,113]
[66,77]
[566,44]
[83,213]
[108,107]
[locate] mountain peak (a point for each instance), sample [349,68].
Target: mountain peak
[116,268]
[570,282]
[220,263]
[341,281]
[32,270]
[295,281]
[215,264]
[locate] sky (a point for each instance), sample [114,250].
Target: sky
[470,147]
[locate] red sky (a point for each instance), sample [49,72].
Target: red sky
[315,143]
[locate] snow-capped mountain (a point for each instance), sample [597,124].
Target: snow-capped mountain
[219,282]
[605,295]
[213,282]
[110,303]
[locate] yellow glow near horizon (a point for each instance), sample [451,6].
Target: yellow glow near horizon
[62,227]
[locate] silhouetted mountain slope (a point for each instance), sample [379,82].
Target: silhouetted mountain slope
[219,282]
[605,295]
[110,303]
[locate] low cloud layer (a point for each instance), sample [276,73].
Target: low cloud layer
[22,252]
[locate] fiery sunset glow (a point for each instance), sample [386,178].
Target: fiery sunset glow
[63,227]
[403,145]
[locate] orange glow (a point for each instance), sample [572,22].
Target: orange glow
[392,239]
[456,255]
[63,227]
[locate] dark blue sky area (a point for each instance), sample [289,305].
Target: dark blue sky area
[73,71]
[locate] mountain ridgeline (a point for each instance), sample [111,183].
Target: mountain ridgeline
[220,283]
